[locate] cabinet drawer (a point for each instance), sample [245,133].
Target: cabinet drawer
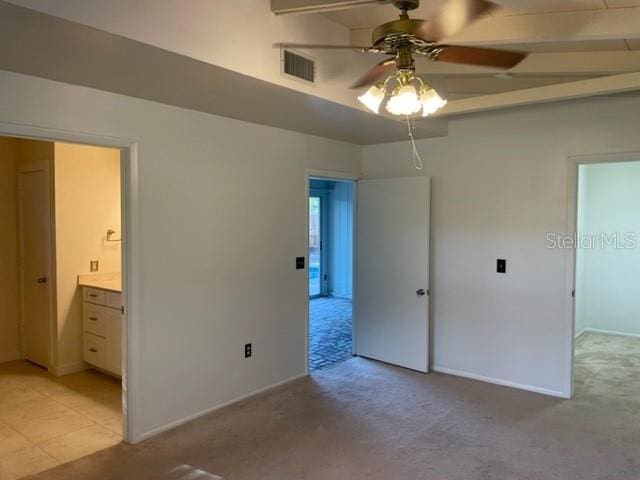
[93,295]
[94,319]
[114,300]
[94,350]
[114,342]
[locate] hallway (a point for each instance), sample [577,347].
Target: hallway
[330,332]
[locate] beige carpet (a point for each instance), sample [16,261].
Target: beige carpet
[365,420]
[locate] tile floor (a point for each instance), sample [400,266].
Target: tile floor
[329,332]
[46,420]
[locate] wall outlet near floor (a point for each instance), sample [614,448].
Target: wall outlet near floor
[93,266]
[247,350]
[501,266]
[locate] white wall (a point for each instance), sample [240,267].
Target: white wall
[9,344]
[87,204]
[499,186]
[219,203]
[341,240]
[608,278]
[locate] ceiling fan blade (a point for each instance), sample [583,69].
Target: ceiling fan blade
[381,69]
[484,57]
[456,15]
[305,46]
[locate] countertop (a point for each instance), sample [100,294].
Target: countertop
[104,281]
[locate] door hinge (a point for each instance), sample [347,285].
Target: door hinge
[573,293]
[122,309]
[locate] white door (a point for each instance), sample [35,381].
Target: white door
[392,271]
[35,261]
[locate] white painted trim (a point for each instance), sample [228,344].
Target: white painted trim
[332,175]
[10,356]
[354,286]
[609,332]
[307,178]
[287,7]
[69,368]
[624,82]
[130,248]
[497,381]
[573,163]
[155,431]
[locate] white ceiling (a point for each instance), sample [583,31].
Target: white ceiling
[570,40]
[366,18]
[369,17]
[541,26]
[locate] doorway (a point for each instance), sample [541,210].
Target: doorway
[61,360]
[606,328]
[330,274]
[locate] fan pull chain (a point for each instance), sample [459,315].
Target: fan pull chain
[415,156]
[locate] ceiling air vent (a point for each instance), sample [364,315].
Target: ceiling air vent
[296,65]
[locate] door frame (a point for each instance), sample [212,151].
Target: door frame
[323,196]
[33,166]
[131,279]
[336,176]
[574,162]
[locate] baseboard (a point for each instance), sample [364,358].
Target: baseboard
[497,381]
[9,356]
[580,333]
[187,419]
[69,368]
[610,332]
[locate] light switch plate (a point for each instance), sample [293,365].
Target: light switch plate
[94,266]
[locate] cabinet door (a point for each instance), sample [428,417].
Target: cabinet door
[114,341]
[94,350]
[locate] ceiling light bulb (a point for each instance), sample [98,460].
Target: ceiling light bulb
[431,102]
[404,102]
[372,98]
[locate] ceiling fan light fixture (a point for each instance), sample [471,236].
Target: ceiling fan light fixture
[372,98]
[431,101]
[404,101]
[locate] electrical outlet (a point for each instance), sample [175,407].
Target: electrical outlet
[247,350]
[501,266]
[299,263]
[93,265]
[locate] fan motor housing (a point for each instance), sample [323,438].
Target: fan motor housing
[406,4]
[397,32]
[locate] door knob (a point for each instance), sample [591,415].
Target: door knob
[42,280]
[421,292]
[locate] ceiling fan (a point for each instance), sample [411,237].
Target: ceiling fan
[402,39]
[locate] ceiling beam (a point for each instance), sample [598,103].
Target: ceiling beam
[573,63]
[565,91]
[605,24]
[287,7]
